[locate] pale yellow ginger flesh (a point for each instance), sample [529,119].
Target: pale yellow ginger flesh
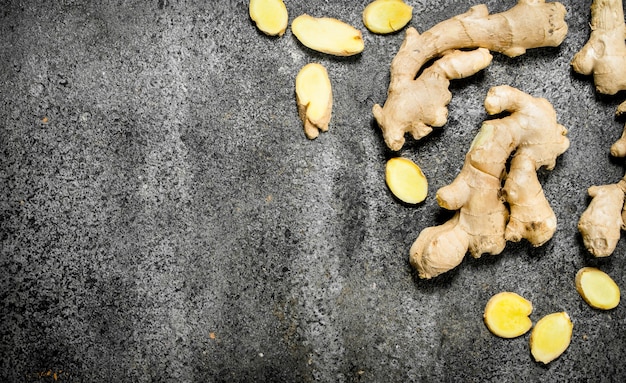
[550,337]
[406,180]
[270,16]
[604,55]
[315,99]
[597,288]
[387,16]
[528,24]
[507,315]
[328,35]
[601,223]
[482,223]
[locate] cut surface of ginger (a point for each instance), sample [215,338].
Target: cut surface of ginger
[406,180]
[328,35]
[315,98]
[387,16]
[507,315]
[270,16]
[550,337]
[597,288]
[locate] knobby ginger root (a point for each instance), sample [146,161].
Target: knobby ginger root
[597,288]
[328,35]
[550,337]
[507,315]
[315,99]
[406,180]
[387,16]
[529,24]
[270,16]
[482,223]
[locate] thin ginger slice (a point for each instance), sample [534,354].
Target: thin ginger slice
[507,315]
[270,16]
[328,35]
[597,288]
[387,16]
[315,99]
[406,180]
[551,336]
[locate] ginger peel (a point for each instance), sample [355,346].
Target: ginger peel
[597,288]
[328,35]
[406,180]
[528,24]
[386,16]
[314,97]
[482,223]
[507,315]
[270,16]
[550,337]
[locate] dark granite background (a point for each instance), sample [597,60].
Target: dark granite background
[164,219]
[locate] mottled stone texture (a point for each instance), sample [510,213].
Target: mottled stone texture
[164,219]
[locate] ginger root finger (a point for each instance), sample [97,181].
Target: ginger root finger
[507,315]
[597,288]
[550,337]
[315,99]
[270,16]
[387,16]
[601,223]
[328,35]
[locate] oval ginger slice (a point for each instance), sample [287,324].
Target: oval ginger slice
[597,288]
[328,35]
[550,337]
[387,16]
[270,16]
[507,315]
[406,180]
[314,96]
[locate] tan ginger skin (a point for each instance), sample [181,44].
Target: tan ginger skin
[482,223]
[529,24]
[604,57]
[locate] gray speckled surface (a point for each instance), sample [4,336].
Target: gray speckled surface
[169,221]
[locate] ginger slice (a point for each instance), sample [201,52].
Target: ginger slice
[387,16]
[406,180]
[270,16]
[506,315]
[597,288]
[550,337]
[315,99]
[328,35]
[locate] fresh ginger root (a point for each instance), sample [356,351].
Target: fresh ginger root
[328,35]
[507,315]
[551,336]
[315,99]
[406,180]
[529,24]
[482,223]
[270,16]
[387,16]
[597,288]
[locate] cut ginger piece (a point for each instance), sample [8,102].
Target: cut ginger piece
[270,16]
[328,35]
[387,16]
[597,288]
[550,337]
[507,315]
[315,99]
[406,180]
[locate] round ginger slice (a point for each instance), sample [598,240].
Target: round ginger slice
[507,315]
[597,288]
[387,16]
[550,337]
[328,35]
[406,180]
[270,16]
